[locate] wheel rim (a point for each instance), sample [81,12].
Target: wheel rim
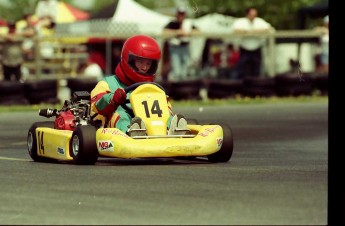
[30,142]
[75,145]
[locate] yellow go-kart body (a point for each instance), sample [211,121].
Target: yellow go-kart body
[86,143]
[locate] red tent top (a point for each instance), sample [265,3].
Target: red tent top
[3,23]
[79,14]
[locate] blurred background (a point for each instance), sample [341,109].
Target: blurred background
[81,41]
[281,14]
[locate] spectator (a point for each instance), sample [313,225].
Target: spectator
[3,26]
[231,56]
[91,69]
[250,60]
[216,52]
[178,46]
[98,58]
[47,9]
[224,58]
[323,66]
[139,62]
[116,57]
[12,55]
[45,27]
[26,28]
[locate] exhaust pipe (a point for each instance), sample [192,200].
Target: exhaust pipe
[48,112]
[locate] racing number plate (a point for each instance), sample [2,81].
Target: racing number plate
[149,102]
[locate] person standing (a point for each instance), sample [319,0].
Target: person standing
[324,55]
[26,28]
[12,55]
[139,61]
[178,45]
[47,9]
[250,59]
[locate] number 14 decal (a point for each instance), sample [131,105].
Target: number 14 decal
[155,108]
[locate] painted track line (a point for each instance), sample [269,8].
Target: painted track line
[13,159]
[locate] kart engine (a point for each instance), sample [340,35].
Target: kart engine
[74,112]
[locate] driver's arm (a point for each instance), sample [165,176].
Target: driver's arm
[103,101]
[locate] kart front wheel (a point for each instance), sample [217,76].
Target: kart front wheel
[83,147]
[32,140]
[225,152]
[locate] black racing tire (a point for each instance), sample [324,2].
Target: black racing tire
[258,86]
[286,79]
[185,90]
[166,85]
[136,85]
[295,90]
[43,96]
[258,91]
[12,88]
[41,91]
[15,99]
[321,82]
[223,88]
[12,93]
[293,84]
[258,82]
[39,85]
[192,121]
[81,84]
[83,147]
[32,141]
[225,152]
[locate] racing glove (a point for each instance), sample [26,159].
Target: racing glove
[119,97]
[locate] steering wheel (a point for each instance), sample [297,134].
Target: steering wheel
[133,87]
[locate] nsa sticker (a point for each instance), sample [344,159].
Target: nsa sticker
[105,145]
[61,151]
[219,142]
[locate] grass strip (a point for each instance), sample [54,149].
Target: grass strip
[238,100]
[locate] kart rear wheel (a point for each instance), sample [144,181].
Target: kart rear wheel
[32,141]
[83,147]
[225,152]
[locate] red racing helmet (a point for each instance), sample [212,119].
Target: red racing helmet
[138,46]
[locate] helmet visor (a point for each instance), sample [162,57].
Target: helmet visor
[143,66]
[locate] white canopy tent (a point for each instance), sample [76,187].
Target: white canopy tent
[148,21]
[132,18]
[152,23]
[215,23]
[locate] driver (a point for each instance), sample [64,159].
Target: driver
[139,62]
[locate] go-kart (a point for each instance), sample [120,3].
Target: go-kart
[76,136]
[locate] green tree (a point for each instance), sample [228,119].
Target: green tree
[16,9]
[282,14]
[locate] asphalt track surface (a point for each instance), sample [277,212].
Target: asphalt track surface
[277,175]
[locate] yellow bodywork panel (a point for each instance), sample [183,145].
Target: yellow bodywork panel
[149,102]
[53,143]
[112,142]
